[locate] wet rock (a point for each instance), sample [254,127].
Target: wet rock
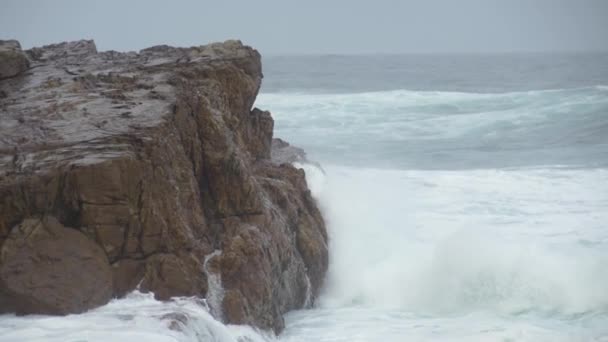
[12,60]
[155,160]
[259,134]
[126,275]
[168,275]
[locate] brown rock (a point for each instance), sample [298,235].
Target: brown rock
[48,268]
[126,275]
[12,60]
[259,134]
[283,152]
[167,275]
[157,159]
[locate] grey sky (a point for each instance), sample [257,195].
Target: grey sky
[315,26]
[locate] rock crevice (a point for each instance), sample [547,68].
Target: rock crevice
[136,166]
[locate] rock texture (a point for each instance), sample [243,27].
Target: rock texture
[150,169]
[12,60]
[45,249]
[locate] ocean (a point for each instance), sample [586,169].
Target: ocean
[466,199]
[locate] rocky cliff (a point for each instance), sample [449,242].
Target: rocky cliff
[149,170]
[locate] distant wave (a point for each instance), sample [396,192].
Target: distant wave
[411,101]
[450,129]
[599,87]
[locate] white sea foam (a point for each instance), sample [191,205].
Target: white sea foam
[138,317]
[461,255]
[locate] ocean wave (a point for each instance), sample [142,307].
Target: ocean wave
[447,129]
[599,87]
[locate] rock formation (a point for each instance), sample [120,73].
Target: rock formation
[13,60]
[149,170]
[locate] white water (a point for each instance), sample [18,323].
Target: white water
[487,222]
[138,317]
[462,255]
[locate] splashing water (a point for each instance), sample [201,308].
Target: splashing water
[462,255]
[138,317]
[457,216]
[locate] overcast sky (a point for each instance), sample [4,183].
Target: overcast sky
[316,26]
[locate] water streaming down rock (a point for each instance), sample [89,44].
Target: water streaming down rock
[215,291]
[138,166]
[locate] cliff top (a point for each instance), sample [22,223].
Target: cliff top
[68,103]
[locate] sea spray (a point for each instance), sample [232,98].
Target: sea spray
[418,253]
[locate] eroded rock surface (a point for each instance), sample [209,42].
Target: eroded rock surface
[152,161]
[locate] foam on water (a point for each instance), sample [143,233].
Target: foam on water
[138,317]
